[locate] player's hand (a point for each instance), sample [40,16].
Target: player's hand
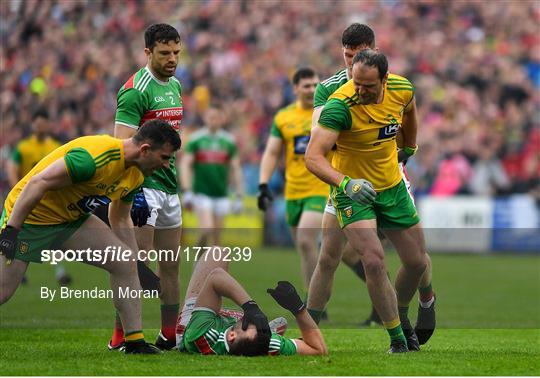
[360,190]
[8,242]
[264,198]
[287,297]
[188,200]
[254,315]
[140,210]
[237,205]
[148,279]
[405,153]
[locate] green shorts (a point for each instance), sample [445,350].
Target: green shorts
[296,207]
[34,238]
[393,208]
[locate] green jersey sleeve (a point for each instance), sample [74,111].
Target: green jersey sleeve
[80,165]
[321,95]
[130,107]
[16,155]
[281,345]
[336,115]
[274,130]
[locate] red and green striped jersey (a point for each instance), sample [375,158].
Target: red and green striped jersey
[213,153]
[326,87]
[143,97]
[206,334]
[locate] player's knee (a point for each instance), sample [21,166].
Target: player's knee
[327,263]
[416,266]
[374,265]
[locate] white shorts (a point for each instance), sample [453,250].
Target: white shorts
[329,208]
[165,209]
[219,206]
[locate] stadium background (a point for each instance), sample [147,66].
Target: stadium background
[476,69]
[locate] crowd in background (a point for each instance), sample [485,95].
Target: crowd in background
[475,67]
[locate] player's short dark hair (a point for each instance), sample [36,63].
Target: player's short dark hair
[157,132]
[40,113]
[162,33]
[303,73]
[250,348]
[372,58]
[358,34]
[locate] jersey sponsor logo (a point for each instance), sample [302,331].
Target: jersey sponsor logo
[300,144]
[389,130]
[91,203]
[171,115]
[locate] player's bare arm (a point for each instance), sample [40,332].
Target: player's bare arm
[271,155]
[315,116]
[410,125]
[123,131]
[321,142]
[186,171]
[220,284]
[121,223]
[312,341]
[53,177]
[236,168]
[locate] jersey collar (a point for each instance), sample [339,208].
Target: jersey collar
[155,78]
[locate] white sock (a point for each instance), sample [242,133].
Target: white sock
[428,303]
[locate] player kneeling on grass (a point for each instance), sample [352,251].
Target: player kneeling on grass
[203,327]
[51,207]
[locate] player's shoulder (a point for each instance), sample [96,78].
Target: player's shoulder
[227,136]
[400,88]
[198,135]
[175,81]
[285,112]
[398,82]
[97,145]
[338,78]
[346,93]
[138,82]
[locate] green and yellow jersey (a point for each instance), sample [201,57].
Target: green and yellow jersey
[97,169]
[31,150]
[293,125]
[366,146]
[206,334]
[143,97]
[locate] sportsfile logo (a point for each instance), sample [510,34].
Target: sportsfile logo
[120,254]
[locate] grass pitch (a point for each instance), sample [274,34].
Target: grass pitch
[488,324]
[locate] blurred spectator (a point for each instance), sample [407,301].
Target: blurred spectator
[475,66]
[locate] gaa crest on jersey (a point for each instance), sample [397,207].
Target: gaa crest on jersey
[348,211]
[23,247]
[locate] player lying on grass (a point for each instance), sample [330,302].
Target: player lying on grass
[206,329]
[51,207]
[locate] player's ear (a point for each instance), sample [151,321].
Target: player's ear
[231,336]
[147,51]
[145,147]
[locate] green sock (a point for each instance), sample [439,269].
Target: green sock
[396,333]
